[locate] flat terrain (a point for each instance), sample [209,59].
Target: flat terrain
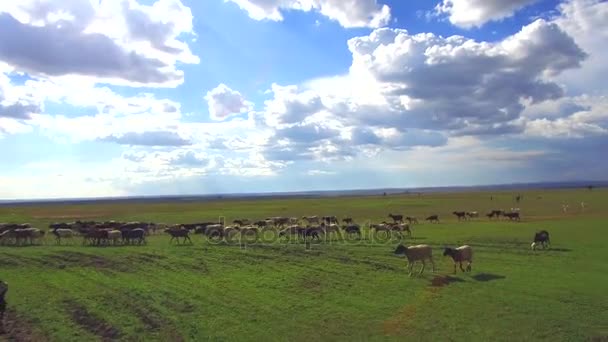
[339,290]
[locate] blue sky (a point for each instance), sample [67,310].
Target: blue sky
[144,97]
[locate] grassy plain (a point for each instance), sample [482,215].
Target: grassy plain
[343,290]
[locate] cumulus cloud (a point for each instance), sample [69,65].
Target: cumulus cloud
[455,83]
[585,21]
[224,102]
[348,13]
[132,44]
[471,13]
[159,138]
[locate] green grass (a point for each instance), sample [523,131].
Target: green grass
[331,291]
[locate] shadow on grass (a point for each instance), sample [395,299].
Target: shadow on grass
[439,281]
[487,277]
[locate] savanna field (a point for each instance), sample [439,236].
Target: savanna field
[328,290]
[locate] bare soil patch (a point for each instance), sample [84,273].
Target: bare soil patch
[92,323]
[19,329]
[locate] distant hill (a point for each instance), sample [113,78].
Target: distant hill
[312,194]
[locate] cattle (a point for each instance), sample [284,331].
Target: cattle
[460,254]
[279,221]
[542,238]
[96,237]
[416,253]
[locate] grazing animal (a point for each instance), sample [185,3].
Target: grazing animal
[401,228]
[311,219]
[497,213]
[416,253]
[396,218]
[3,291]
[96,236]
[490,215]
[294,220]
[134,235]
[328,229]
[214,231]
[62,233]
[279,221]
[461,215]
[565,208]
[241,222]
[583,206]
[260,224]
[114,236]
[330,219]
[347,220]
[473,214]
[542,238]
[460,254]
[177,233]
[411,220]
[24,235]
[353,229]
[291,230]
[433,218]
[513,216]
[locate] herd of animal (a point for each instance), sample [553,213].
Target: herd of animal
[306,227]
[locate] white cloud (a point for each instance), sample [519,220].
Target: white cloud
[348,13]
[149,138]
[224,102]
[471,13]
[586,21]
[114,42]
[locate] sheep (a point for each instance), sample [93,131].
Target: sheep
[411,220]
[416,253]
[176,233]
[542,238]
[396,218]
[460,254]
[461,215]
[311,219]
[62,233]
[433,218]
[400,228]
[114,236]
[353,229]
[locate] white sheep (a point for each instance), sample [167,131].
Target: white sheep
[416,253]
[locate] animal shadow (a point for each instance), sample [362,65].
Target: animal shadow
[487,277]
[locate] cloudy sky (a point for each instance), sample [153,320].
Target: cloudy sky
[145,97]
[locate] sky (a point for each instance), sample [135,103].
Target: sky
[142,97]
